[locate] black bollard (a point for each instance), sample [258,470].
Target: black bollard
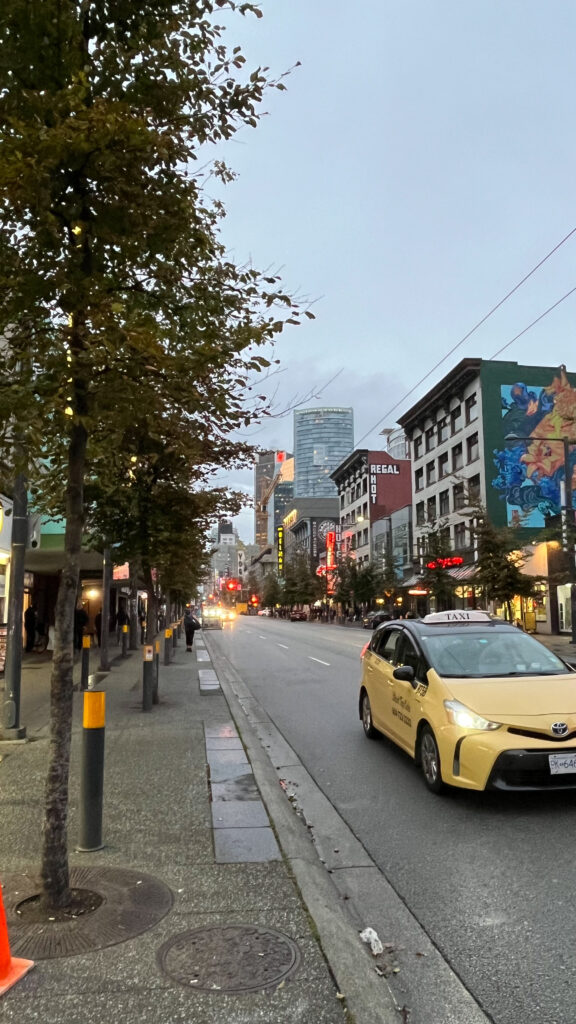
[156,671]
[175,635]
[147,677]
[167,645]
[125,641]
[92,771]
[85,664]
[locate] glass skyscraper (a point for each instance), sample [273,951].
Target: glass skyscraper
[322,440]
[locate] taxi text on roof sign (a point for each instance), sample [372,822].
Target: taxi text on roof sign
[458,615]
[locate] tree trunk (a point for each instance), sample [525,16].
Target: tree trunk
[134,637]
[105,627]
[152,614]
[55,870]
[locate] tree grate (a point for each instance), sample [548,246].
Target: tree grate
[131,903]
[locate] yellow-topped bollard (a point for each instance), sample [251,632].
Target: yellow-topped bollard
[92,771]
[85,664]
[167,645]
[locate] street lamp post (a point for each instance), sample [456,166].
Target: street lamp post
[568,517]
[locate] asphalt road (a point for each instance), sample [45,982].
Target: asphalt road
[489,877]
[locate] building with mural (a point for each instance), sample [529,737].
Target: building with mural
[499,434]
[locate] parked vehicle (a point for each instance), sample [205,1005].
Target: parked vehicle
[373,619]
[297,615]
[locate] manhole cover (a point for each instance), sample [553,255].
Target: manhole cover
[231,958]
[131,903]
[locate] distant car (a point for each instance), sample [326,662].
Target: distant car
[298,616]
[373,619]
[212,618]
[265,612]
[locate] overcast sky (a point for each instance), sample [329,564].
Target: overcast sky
[421,162]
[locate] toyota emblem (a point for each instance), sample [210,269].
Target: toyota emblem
[559,729]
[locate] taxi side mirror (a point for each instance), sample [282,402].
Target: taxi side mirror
[406,674]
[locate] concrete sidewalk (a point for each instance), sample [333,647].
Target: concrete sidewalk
[219,931]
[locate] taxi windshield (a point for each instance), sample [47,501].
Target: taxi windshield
[476,653]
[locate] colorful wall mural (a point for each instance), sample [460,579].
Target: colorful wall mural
[530,461]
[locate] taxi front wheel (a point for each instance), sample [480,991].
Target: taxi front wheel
[430,761]
[369,729]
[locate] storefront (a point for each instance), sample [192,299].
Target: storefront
[5,542]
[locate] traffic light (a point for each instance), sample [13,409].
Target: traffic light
[254,599]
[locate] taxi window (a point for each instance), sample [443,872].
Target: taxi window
[478,653]
[408,655]
[384,644]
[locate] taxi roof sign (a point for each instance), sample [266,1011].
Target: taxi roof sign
[458,615]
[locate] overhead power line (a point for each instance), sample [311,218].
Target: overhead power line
[476,327]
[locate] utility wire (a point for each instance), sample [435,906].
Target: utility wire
[538,318]
[475,328]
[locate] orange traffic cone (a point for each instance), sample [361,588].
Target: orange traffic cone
[11,969]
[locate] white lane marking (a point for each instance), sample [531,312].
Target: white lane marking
[262,637]
[285,646]
[320,662]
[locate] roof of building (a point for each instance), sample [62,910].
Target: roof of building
[456,378]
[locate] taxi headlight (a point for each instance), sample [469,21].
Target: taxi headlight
[462,716]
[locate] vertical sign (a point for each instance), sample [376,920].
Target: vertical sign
[280,548]
[3,639]
[330,560]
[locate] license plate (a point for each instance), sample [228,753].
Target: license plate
[562,764]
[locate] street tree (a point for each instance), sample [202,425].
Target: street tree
[499,563]
[116,292]
[272,592]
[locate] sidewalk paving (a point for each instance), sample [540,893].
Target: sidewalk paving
[224,933]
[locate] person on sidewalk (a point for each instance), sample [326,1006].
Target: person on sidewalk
[191,624]
[80,623]
[122,619]
[30,627]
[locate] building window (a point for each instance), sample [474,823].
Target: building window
[358,492]
[471,404]
[472,449]
[365,485]
[342,500]
[365,510]
[417,446]
[443,467]
[444,503]
[474,490]
[430,439]
[457,459]
[420,514]
[419,479]
[458,497]
[430,473]
[442,428]
[444,535]
[459,536]
[431,509]
[456,419]
[365,537]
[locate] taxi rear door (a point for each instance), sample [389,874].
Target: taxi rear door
[406,699]
[379,679]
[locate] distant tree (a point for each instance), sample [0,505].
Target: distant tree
[499,564]
[437,579]
[272,592]
[301,585]
[368,583]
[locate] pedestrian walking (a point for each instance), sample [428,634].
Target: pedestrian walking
[191,624]
[30,626]
[122,619]
[80,623]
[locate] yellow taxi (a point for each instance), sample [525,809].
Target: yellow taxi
[476,702]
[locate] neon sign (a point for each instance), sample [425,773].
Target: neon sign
[445,563]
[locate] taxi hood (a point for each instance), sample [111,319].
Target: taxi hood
[514,697]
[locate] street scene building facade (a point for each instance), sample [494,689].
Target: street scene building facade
[492,433]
